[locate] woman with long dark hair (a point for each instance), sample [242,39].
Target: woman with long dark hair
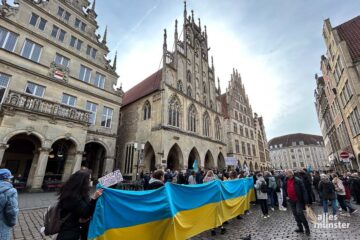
[76,206]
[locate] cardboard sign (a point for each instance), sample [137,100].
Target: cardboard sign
[111,179]
[231,161]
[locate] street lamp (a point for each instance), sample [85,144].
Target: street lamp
[347,133]
[139,147]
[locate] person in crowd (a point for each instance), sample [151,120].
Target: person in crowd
[8,204]
[346,182]
[297,196]
[355,187]
[199,176]
[192,178]
[307,180]
[76,206]
[341,196]
[210,176]
[181,178]
[157,180]
[168,176]
[261,187]
[316,181]
[242,174]
[271,189]
[279,191]
[146,179]
[327,191]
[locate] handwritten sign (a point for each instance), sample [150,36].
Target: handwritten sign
[111,179]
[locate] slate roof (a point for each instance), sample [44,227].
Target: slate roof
[287,140]
[350,33]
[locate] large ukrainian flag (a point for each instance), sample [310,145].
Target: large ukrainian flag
[171,212]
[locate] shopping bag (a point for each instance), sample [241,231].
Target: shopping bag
[310,215]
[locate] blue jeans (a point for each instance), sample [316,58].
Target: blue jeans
[333,204]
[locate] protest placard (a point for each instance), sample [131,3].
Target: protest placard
[111,179]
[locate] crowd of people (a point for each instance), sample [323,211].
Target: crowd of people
[280,189]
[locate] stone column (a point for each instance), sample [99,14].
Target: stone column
[33,167]
[78,160]
[3,148]
[39,174]
[109,164]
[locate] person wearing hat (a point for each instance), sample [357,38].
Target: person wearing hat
[8,204]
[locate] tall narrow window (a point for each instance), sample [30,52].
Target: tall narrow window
[217,129]
[7,39]
[179,86]
[85,74]
[147,110]
[174,112]
[31,50]
[106,117]
[33,19]
[206,124]
[68,100]
[237,146]
[92,107]
[192,119]
[188,76]
[243,149]
[189,92]
[4,82]
[35,89]
[99,80]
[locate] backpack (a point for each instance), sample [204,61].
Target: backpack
[272,183]
[329,188]
[52,220]
[263,187]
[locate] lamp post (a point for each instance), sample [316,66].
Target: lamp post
[138,147]
[347,134]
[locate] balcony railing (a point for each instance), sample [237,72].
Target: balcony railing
[29,103]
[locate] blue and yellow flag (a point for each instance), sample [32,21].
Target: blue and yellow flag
[195,166]
[171,212]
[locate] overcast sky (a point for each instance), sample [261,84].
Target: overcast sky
[275,45]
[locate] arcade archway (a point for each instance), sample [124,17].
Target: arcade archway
[221,162]
[209,161]
[94,159]
[194,154]
[175,158]
[149,158]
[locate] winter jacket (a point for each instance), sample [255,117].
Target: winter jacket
[300,190]
[155,184]
[259,193]
[339,186]
[8,209]
[316,182]
[75,209]
[272,182]
[327,189]
[168,177]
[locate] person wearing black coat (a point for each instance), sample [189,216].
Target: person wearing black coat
[157,180]
[76,206]
[297,197]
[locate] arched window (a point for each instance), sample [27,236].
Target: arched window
[147,110]
[206,124]
[188,76]
[217,129]
[188,91]
[211,104]
[179,86]
[192,119]
[174,112]
[204,87]
[205,101]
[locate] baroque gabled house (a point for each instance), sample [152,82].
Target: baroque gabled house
[173,118]
[59,108]
[244,135]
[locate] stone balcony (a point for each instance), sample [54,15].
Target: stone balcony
[18,101]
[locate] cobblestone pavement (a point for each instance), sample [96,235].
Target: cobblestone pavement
[280,225]
[36,200]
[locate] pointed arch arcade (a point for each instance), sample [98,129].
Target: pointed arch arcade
[193,155]
[175,158]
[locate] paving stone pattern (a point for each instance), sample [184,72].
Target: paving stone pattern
[280,225]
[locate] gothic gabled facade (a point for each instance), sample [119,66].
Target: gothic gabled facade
[244,137]
[59,109]
[174,114]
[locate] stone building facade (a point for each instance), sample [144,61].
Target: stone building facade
[173,117]
[338,92]
[244,136]
[59,109]
[298,151]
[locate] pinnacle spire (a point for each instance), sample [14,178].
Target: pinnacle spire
[176,30]
[185,12]
[165,37]
[212,62]
[105,36]
[205,32]
[115,60]
[218,80]
[199,24]
[192,15]
[93,6]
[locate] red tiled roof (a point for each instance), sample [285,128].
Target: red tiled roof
[287,140]
[350,33]
[224,109]
[149,85]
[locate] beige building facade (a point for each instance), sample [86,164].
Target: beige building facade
[173,118]
[59,109]
[341,88]
[244,136]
